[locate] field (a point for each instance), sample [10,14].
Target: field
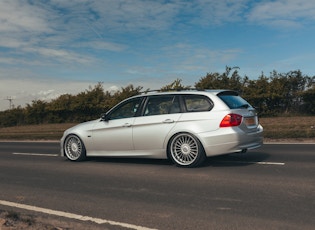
[277,128]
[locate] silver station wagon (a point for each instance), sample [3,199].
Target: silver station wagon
[184,126]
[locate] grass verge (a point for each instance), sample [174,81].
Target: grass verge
[289,127]
[34,132]
[274,128]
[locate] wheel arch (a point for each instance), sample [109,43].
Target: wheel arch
[172,135]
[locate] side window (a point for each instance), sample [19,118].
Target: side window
[126,110]
[165,104]
[197,103]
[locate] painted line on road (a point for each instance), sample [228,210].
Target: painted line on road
[36,154]
[71,215]
[289,143]
[268,163]
[254,162]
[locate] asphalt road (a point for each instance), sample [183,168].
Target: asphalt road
[269,188]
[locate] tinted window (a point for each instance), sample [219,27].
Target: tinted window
[197,103]
[233,101]
[158,105]
[125,110]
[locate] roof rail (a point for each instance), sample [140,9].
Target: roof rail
[171,90]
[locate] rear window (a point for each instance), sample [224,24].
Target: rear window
[233,100]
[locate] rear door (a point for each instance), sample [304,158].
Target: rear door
[160,115]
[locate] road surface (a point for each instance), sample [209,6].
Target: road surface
[269,188]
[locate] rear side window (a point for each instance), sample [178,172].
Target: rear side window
[158,105]
[233,100]
[197,103]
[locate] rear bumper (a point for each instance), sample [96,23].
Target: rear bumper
[230,140]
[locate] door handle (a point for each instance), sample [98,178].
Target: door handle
[127,125]
[168,121]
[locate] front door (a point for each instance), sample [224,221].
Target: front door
[114,134]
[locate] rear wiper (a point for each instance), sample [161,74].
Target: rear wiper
[246,106]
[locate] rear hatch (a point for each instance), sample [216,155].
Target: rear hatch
[240,106]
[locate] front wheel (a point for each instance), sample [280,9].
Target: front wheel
[186,150]
[74,148]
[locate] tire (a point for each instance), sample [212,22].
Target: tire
[185,150]
[74,148]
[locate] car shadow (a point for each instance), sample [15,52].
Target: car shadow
[126,160]
[236,159]
[229,160]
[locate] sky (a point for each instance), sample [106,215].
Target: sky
[52,47]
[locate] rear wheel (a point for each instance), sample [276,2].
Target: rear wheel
[186,150]
[74,148]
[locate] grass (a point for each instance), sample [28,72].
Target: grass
[274,128]
[34,132]
[289,127]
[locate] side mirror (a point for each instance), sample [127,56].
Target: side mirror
[104,117]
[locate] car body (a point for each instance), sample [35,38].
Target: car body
[185,126]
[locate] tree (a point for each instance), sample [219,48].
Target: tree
[285,91]
[280,93]
[227,80]
[308,97]
[12,117]
[35,113]
[257,92]
[59,109]
[175,85]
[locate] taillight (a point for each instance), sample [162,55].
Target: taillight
[231,120]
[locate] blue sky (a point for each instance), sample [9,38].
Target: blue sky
[52,47]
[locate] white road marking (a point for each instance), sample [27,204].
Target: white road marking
[268,163]
[254,162]
[36,154]
[71,215]
[290,143]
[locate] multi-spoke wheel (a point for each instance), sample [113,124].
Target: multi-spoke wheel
[74,148]
[186,150]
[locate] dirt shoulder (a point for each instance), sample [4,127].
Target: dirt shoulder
[18,220]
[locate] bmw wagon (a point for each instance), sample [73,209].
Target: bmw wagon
[183,126]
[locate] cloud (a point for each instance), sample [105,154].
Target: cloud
[130,16]
[51,32]
[16,16]
[283,13]
[212,12]
[60,55]
[103,45]
[126,41]
[124,16]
